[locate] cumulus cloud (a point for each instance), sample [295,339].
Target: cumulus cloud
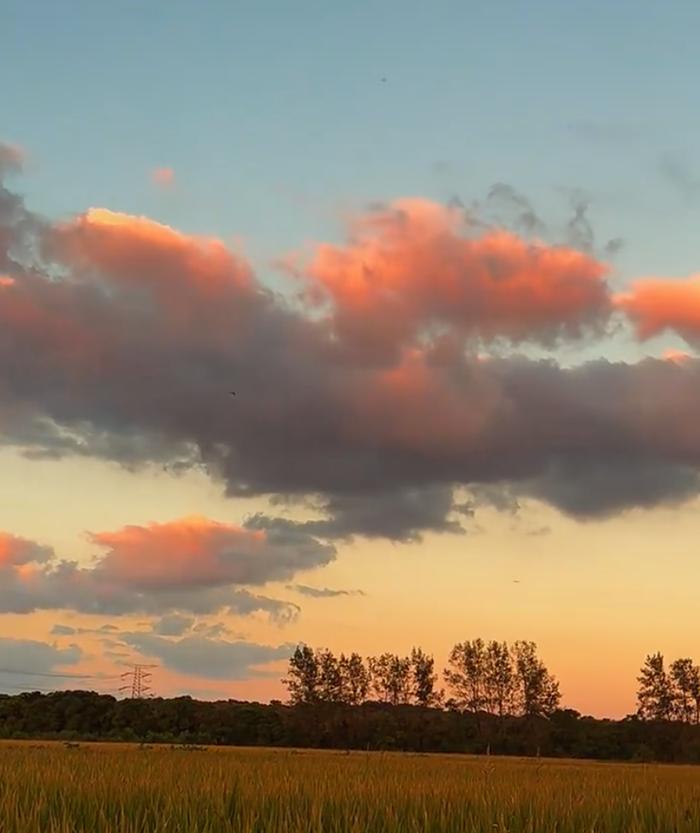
[655,305]
[19,552]
[413,265]
[205,657]
[197,552]
[121,338]
[192,565]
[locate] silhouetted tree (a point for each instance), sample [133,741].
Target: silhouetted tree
[466,675]
[354,678]
[302,679]
[424,679]
[499,679]
[685,690]
[391,678]
[655,692]
[330,683]
[536,690]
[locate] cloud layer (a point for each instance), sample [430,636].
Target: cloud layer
[194,565]
[204,657]
[122,339]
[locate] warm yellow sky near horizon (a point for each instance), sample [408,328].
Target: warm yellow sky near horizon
[595,596]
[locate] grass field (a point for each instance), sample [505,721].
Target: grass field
[47,788]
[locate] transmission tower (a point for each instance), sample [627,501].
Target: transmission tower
[137,681]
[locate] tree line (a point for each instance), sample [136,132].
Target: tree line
[481,677]
[491,698]
[669,694]
[74,716]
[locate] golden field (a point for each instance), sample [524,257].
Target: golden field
[117,788]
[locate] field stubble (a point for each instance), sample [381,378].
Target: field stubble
[117,789]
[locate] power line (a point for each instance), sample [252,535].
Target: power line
[56,675]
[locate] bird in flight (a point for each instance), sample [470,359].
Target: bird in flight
[233,393]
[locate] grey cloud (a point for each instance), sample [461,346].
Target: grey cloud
[311,418]
[213,630]
[514,210]
[173,625]
[27,663]
[591,489]
[322,592]
[203,657]
[579,229]
[65,585]
[400,513]
[63,630]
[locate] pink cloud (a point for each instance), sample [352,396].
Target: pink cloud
[163,177]
[198,552]
[679,357]
[415,263]
[656,304]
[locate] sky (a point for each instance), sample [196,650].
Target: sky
[445,256]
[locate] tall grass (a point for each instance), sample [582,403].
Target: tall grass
[105,789]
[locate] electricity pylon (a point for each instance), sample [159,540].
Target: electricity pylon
[137,681]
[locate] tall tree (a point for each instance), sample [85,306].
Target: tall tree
[354,679]
[465,675]
[655,692]
[423,679]
[685,690]
[391,678]
[330,683]
[499,679]
[302,679]
[536,690]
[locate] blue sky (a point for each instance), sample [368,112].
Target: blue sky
[274,115]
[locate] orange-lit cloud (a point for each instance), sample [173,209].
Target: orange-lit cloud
[163,177]
[126,337]
[193,564]
[140,251]
[679,357]
[656,305]
[198,552]
[414,264]
[17,552]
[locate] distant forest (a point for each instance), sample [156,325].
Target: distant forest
[500,700]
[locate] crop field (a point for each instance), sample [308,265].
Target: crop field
[92,788]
